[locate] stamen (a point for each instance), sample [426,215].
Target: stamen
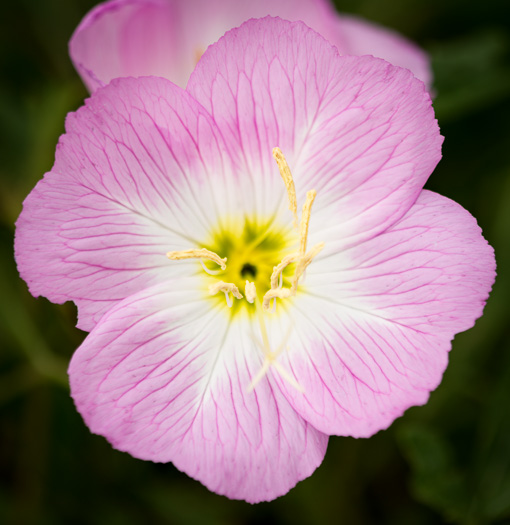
[302,258]
[227,288]
[303,264]
[202,253]
[305,220]
[275,293]
[230,303]
[277,270]
[288,181]
[250,291]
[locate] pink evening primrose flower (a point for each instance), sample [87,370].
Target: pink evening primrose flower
[123,38]
[254,257]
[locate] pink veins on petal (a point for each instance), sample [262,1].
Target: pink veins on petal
[153,184]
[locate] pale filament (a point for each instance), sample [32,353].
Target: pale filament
[206,270]
[270,356]
[302,258]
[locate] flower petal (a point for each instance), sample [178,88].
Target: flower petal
[373,330]
[164,376]
[133,179]
[166,37]
[358,130]
[360,37]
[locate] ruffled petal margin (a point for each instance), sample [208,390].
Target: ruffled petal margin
[374,324]
[164,376]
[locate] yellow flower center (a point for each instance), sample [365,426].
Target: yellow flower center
[255,251]
[252,249]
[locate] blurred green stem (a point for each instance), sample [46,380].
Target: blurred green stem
[22,329]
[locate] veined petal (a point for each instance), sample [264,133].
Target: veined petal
[164,376]
[133,179]
[358,130]
[360,37]
[375,324]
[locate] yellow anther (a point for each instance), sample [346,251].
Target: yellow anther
[202,253]
[302,259]
[275,293]
[250,291]
[227,289]
[303,264]
[220,286]
[305,220]
[277,270]
[288,181]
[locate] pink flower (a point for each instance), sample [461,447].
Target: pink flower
[122,38]
[342,309]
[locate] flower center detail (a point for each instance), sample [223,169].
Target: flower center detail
[253,252]
[256,261]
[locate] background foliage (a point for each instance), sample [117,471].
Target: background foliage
[447,462]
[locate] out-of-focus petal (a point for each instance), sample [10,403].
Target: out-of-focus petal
[132,180]
[164,376]
[359,37]
[366,145]
[167,37]
[374,325]
[124,38]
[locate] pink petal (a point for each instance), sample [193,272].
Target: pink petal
[374,328]
[164,376]
[128,175]
[358,130]
[166,37]
[360,37]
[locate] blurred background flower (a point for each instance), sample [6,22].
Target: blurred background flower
[446,462]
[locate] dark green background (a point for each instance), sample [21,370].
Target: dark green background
[447,462]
